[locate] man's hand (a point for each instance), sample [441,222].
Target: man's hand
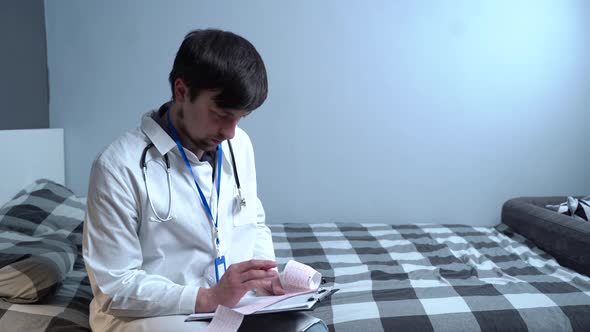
[236,281]
[271,287]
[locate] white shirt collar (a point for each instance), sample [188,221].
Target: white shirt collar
[156,134]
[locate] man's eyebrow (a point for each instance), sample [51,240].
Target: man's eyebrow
[233,113]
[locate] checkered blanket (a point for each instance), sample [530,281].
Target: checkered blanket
[67,310]
[436,278]
[44,222]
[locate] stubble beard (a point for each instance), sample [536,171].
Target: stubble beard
[194,144]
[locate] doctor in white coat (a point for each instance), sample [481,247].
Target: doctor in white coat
[174,225]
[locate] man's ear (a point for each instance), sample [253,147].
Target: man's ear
[180,90]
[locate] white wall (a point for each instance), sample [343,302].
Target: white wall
[378,111]
[28,149]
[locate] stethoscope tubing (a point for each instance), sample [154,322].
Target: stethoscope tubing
[143,166]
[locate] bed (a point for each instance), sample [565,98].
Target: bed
[437,278]
[423,277]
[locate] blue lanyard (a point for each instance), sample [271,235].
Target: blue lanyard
[188,165]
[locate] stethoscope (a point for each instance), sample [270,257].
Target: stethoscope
[143,165]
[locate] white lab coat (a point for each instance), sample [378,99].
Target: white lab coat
[141,268]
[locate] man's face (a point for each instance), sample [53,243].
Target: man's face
[202,123]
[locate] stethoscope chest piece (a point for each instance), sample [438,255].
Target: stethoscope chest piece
[241,199]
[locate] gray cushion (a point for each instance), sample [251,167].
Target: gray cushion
[39,241]
[563,237]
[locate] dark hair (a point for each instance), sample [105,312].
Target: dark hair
[216,59]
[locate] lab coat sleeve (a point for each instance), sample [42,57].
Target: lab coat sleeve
[263,246]
[113,255]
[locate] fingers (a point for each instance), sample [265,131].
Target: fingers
[257,274]
[271,287]
[258,264]
[277,288]
[266,290]
[255,284]
[242,277]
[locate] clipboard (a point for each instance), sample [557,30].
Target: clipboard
[303,302]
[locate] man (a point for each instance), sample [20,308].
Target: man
[157,245]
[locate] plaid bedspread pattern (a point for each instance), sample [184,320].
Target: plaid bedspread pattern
[67,310]
[45,220]
[436,278]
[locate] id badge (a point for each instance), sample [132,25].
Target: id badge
[219,267]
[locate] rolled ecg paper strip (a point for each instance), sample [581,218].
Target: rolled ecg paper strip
[298,276]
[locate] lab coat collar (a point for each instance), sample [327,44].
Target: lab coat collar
[163,142]
[156,134]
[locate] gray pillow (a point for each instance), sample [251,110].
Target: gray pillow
[40,238]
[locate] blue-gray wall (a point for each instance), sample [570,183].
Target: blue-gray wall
[379,111]
[23,65]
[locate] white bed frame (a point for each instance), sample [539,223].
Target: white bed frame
[29,155]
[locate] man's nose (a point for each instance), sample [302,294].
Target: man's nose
[229,129]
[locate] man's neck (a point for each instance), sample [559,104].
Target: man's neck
[186,141]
